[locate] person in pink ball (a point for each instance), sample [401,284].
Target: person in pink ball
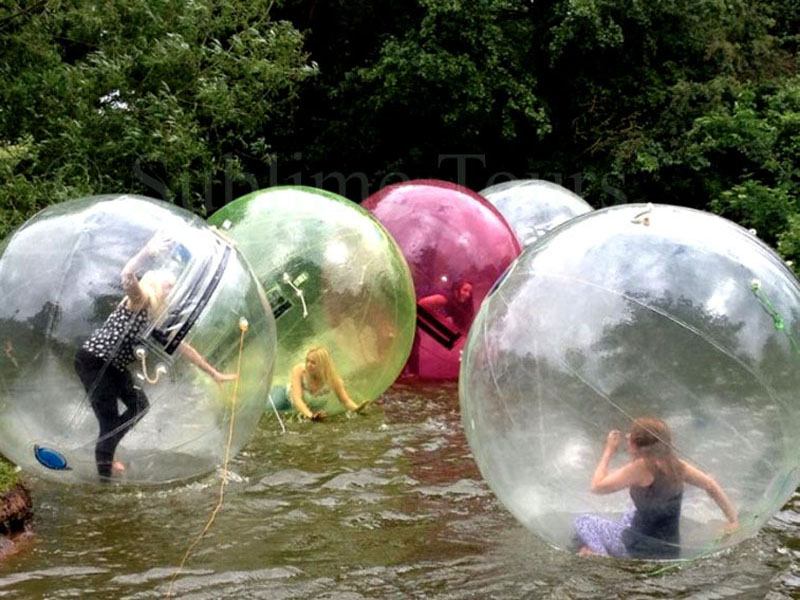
[446,317]
[457,308]
[449,235]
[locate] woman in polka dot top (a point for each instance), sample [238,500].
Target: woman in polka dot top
[102,361]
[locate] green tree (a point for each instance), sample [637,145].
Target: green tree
[689,102]
[399,90]
[599,92]
[632,78]
[159,97]
[759,132]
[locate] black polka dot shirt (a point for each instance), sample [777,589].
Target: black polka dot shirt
[116,340]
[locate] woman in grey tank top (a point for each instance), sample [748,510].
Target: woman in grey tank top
[654,477]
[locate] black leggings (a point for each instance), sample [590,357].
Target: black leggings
[106,384]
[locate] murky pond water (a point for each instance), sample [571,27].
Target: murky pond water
[386,505]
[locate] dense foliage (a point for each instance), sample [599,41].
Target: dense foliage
[162,97]
[8,475]
[690,102]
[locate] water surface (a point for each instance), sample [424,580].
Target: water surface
[387,505]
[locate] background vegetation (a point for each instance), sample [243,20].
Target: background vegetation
[8,475]
[689,102]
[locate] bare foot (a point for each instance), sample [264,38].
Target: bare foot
[584,551]
[117,467]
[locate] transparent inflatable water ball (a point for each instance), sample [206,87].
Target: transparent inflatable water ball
[89,381]
[457,245]
[334,278]
[628,312]
[533,206]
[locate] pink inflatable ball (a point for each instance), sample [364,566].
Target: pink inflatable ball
[457,245]
[533,206]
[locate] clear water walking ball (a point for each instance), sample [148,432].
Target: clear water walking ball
[533,206]
[83,382]
[334,277]
[638,311]
[457,245]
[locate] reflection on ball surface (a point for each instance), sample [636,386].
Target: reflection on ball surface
[70,370]
[627,312]
[334,277]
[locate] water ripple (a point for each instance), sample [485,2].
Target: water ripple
[385,506]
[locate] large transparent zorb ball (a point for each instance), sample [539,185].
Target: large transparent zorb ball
[60,279]
[457,245]
[334,277]
[533,206]
[627,312]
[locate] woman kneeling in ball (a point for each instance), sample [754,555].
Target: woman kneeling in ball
[311,385]
[655,478]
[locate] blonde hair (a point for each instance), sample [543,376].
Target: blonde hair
[325,367]
[152,286]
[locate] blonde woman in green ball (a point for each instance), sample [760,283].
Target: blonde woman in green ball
[311,385]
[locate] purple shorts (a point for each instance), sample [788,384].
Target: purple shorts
[603,536]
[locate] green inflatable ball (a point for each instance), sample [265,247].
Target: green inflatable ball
[334,277]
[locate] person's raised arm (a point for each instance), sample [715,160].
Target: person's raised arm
[432,301]
[130,283]
[197,359]
[704,481]
[633,473]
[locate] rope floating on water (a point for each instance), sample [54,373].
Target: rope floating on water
[243,326]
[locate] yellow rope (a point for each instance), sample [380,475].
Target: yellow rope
[243,325]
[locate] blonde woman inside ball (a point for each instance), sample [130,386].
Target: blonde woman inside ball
[311,385]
